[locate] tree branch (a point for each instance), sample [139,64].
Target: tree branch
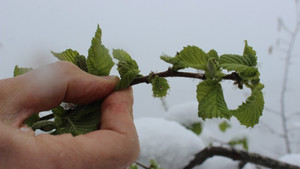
[240,155]
[170,73]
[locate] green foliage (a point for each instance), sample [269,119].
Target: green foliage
[196,128]
[32,119]
[175,61]
[133,166]
[160,86]
[154,165]
[213,54]
[99,62]
[67,55]
[244,65]
[80,61]
[249,112]
[193,57]
[44,125]
[224,126]
[86,118]
[211,100]
[242,141]
[127,67]
[19,70]
[81,120]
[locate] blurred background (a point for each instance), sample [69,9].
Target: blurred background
[147,29]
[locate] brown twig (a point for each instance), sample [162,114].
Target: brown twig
[240,155]
[170,73]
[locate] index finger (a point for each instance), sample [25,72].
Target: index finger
[46,87]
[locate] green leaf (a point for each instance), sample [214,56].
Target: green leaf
[250,54]
[83,119]
[211,69]
[19,70]
[224,126]
[196,128]
[242,141]
[242,65]
[133,166]
[194,57]
[80,61]
[32,119]
[59,111]
[99,62]
[160,86]
[67,55]
[154,165]
[44,125]
[213,54]
[211,100]
[127,67]
[250,111]
[175,61]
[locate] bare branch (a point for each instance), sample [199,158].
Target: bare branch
[239,155]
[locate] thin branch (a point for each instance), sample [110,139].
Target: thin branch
[240,156]
[284,89]
[170,73]
[141,165]
[286,71]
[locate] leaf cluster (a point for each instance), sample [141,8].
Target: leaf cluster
[212,104]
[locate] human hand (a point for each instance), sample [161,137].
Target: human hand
[114,146]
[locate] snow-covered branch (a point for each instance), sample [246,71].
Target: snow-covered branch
[240,155]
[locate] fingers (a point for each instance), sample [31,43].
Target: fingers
[117,111]
[117,140]
[46,87]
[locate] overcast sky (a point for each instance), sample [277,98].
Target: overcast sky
[146,29]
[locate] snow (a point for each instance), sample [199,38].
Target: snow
[291,158]
[185,113]
[168,142]
[218,162]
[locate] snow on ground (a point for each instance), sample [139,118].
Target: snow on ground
[185,113]
[218,163]
[172,145]
[168,142]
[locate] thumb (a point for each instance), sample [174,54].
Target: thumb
[46,87]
